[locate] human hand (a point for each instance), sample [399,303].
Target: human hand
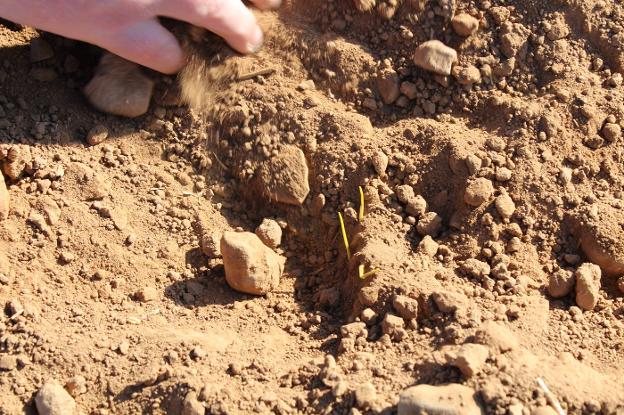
[130,28]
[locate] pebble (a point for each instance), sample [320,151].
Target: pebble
[284,178]
[380,163]
[98,134]
[8,362]
[388,86]
[447,301]
[405,306]
[436,57]
[250,266]
[611,132]
[365,395]
[470,359]
[505,206]
[146,294]
[270,233]
[369,316]
[587,286]
[464,24]
[467,75]
[561,283]
[478,191]
[452,399]
[53,399]
[4,199]
[392,325]
[430,224]
[475,268]
[428,246]
[76,386]
[210,245]
[119,87]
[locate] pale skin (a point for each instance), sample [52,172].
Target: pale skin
[130,28]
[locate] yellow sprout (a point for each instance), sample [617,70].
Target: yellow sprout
[361,212]
[345,239]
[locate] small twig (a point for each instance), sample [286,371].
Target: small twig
[550,397]
[223,166]
[255,74]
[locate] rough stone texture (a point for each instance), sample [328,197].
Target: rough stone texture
[250,266]
[270,233]
[284,178]
[96,135]
[467,75]
[561,283]
[4,199]
[470,358]
[452,399]
[210,245]
[53,399]
[388,86]
[119,87]
[191,406]
[429,224]
[478,192]
[464,24]
[505,206]
[405,306]
[587,286]
[435,56]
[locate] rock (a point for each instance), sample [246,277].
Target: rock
[270,233]
[388,86]
[404,193]
[8,362]
[430,224]
[452,399]
[405,306]
[76,386]
[191,406]
[119,87]
[97,134]
[448,302]
[464,24]
[513,42]
[611,132]
[435,56]
[470,358]
[52,399]
[496,336]
[505,206]
[210,245]
[380,163]
[467,75]
[250,266]
[365,395]
[40,50]
[428,246]
[587,286]
[4,199]
[478,191]
[475,268]
[500,14]
[393,326]
[284,178]
[355,329]
[561,283]
[146,294]
[597,228]
[409,89]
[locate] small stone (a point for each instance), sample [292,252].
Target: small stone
[284,178]
[467,75]
[98,134]
[611,132]
[587,286]
[430,224]
[428,246]
[452,399]
[306,85]
[448,302]
[250,266]
[380,163]
[270,233]
[123,348]
[416,206]
[409,89]
[388,86]
[355,329]
[405,193]
[478,191]
[368,316]
[52,399]
[503,174]
[40,50]
[505,206]
[4,199]
[405,306]
[197,353]
[67,257]
[365,395]
[76,386]
[8,362]
[473,163]
[210,245]
[391,324]
[464,24]
[471,358]
[435,56]
[561,283]
[475,268]
[146,294]
[192,406]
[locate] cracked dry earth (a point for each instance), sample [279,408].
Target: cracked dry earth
[487,139]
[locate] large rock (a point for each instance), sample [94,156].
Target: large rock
[250,266]
[284,178]
[452,399]
[4,199]
[587,286]
[436,57]
[53,399]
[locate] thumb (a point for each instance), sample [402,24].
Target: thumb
[147,43]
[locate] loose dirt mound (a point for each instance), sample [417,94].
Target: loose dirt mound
[482,190]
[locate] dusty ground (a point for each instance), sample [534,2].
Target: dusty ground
[485,192]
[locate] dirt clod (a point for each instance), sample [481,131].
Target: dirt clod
[478,191]
[452,399]
[587,286]
[436,57]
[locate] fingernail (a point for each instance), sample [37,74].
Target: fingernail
[274,4]
[255,45]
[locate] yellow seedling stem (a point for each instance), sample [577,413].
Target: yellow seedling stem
[369,273]
[345,239]
[361,212]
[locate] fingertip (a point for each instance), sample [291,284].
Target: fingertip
[257,39]
[267,4]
